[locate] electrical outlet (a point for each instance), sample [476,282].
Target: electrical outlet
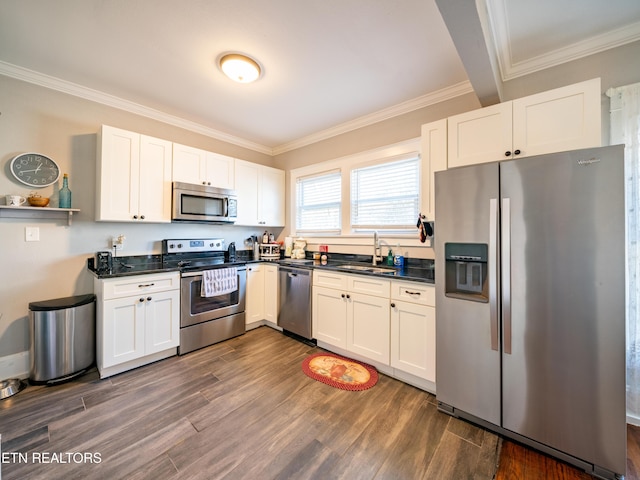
[117,243]
[32,234]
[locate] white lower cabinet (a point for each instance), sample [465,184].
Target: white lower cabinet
[254,305]
[262,294]
[388,323]
[271,293]
[346,318]
[138,321]
[329,316]
[413,329]
[368,326]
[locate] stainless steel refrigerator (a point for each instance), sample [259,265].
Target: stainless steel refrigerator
[530,302]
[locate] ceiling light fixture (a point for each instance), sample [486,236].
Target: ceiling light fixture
[240,68]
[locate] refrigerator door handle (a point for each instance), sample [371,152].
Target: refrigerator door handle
[506,274]
[493,273]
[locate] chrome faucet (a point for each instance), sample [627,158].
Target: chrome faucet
[376,249]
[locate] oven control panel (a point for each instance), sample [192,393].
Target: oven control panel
[193,245]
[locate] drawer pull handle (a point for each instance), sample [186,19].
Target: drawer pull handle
[411,293]
[145,285]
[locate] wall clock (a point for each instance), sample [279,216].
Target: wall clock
[35,169]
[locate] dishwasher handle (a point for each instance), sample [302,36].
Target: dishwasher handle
[294,272]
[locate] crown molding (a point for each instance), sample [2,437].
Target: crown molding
[86,93]
[600,43]
[409,106]
[499,27]
[80,91]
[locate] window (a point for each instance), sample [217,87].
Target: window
[387,195]
[318,203]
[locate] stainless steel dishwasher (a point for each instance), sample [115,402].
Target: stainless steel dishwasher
[294,309]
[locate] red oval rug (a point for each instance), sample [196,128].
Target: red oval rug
[339,372]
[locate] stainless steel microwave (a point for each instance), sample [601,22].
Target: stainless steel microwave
[199,203]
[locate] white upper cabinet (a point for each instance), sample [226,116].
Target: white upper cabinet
[563,119]
[433,150]
[192,165]
[260,191]
[133,177]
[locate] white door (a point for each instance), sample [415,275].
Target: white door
[246,181]
[155,180]
[188,164]
[119,167]
[559,120]
[271,204]
[413,339]
[123,336]
[368,326]
[162,322]
[271,293]
[479,136]
[329,316]
[220,170]
[254,305]
[433,149]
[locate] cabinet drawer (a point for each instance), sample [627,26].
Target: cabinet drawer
[136,284]
[414,292]
[368,285]
[329,279]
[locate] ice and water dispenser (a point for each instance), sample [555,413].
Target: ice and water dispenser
[466,271]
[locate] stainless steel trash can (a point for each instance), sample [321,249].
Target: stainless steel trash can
[62,338]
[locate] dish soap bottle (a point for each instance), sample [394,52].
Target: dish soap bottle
[390,258]
[64,198]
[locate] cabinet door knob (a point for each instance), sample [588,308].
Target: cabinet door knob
[348,296]
[141,217]
[204,183]
[141,299]
[393,305]
[135,217]
[507,153]
[516,152]
[148,299]
[342,295]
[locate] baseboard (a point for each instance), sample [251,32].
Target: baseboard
[14,366]
[633,420]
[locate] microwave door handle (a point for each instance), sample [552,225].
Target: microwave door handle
[226,207]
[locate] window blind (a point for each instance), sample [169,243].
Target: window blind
[318,203]
[386,195]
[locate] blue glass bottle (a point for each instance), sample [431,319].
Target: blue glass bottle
[64,198]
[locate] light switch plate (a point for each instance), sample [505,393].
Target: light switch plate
[32,234]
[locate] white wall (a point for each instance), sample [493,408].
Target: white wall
[64,127]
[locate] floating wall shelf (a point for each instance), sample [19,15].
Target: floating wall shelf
[37,212]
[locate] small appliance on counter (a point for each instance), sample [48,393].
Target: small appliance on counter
[270,251]
[299,248]
[231,252]
[288,246]
[103,262]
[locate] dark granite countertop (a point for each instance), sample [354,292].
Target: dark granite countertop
[133,265]
[416,270]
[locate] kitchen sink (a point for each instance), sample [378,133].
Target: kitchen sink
[368,268]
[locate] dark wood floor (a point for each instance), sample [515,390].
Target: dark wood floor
[518,462]
[244,409]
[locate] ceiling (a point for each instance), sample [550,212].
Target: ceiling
[328,66]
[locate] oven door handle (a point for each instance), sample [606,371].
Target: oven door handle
[199,272]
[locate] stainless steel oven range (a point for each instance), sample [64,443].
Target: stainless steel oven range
[208,318]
